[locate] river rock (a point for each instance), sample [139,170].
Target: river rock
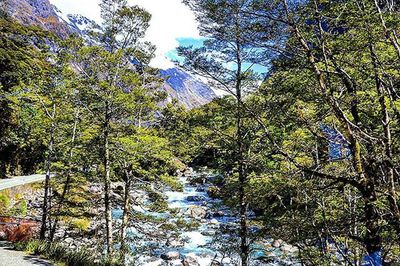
[196,212]
[289,248]
[188,171]
[151,261]
[201,189]
[175,263]
[219,214]
[208,233]
[277,243]
[171,255]
[158,262]
[191,260]
[174,243]
[69,240]
[195,198]
[214,221]
[95,189]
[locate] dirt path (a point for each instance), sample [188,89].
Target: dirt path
[9,257]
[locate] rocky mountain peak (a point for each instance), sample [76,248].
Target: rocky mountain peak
[39,13]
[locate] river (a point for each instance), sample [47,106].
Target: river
[197,231]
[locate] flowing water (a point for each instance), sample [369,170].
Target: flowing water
[206,232]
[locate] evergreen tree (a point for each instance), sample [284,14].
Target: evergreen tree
[115,82]
[227,58]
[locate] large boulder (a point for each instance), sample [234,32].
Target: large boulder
[174,243]
[277,243]
[196,212]
[191,260]
[151,261]
[219,214]
[195,198]
[156,262]
[171,255]
[208,233]
[289,249]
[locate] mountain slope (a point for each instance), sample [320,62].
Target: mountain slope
[188,90]
[180,85]
[39,13]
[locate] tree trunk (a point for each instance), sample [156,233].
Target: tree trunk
[125,214]
[45,206]
[372,239]
[244,247]
[68,180]
[387,143]
[107,183]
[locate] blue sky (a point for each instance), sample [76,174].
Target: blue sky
[172,24]
[198,42]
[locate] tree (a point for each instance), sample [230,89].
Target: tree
[341,72]
[227,58]
[20,61]
[112,78]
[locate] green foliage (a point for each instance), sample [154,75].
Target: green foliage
[20,61]
[187,225]
[21,208]
[4,203]
[172,182]
[81,224]
[59,253]
[158,201]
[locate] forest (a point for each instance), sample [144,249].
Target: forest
[299,165]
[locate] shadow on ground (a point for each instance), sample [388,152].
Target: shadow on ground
[36,261]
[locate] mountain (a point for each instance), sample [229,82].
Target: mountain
[188,90]
[39,13]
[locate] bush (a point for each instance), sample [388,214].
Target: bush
[172,182]
[59,253]
[81,224]
[4,203]
[23,232]
[20,209]
[158,201]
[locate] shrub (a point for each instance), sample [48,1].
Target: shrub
[23,232]
[172,182]
[59,253]
[4,203]
[158,202]
[23,208]
[81,224]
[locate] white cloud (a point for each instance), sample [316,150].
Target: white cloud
[171,19]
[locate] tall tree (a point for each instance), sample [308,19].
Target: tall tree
[227,59]
[111,71]
[342,70]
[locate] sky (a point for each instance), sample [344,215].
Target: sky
[172,24]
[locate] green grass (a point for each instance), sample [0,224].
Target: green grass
[59,253]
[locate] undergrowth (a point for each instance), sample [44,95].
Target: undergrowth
[58,252]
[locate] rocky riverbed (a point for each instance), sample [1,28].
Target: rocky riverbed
[197,231]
